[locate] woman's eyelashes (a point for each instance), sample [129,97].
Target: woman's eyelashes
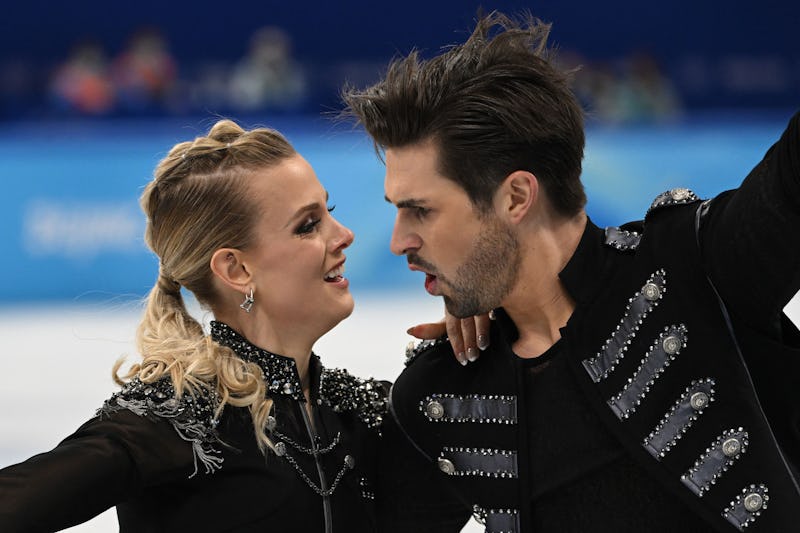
[311,222]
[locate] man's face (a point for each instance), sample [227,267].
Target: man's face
[469,258]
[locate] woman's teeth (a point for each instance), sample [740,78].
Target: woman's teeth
[335,274]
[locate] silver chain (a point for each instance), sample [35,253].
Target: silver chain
[306,450]
[348,464]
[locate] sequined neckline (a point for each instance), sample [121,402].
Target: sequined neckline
[280,372]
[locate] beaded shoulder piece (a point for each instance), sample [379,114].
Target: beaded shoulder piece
[672,197]
[344,392]
[414,350]
[192,416]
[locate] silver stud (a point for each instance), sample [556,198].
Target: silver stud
[651,292]
[698,400]
[671,344]
[349,461]
[446,466]
[753,502]
[434,410]
[271,423]
[280,449]
[731,447]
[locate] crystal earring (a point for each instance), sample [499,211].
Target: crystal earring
[248,302]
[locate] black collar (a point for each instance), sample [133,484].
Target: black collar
[280,372]
[587,268]
[582,276]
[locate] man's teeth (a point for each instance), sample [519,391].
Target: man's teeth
[335,273]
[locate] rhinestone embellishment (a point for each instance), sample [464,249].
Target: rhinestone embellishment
[715,461]
[699,394]
[660,355]
[639,306]
[747,506]
[466,408]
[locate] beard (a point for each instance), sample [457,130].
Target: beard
[488,273]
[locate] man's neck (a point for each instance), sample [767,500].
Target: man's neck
[539,305]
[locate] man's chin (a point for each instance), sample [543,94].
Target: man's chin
[461,310]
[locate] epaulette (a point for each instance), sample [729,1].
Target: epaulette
[672,197]
[413,351]
[341,391]
[622,239]
[193,416]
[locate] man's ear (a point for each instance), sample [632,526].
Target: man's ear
[517,195]
[229,267]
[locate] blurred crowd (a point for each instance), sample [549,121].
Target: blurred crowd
[145,79]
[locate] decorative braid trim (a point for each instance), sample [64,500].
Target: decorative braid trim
[192,416]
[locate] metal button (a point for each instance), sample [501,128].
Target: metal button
[280,449]
[698,400]
[349,461]
[753,502]
[434,410]
[271,423]
[731,447]
[671,344]
[680,194]
[446,466]
[651,292]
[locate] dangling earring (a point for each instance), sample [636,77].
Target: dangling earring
[248,302]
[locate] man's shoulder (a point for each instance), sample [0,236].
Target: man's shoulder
[429,350]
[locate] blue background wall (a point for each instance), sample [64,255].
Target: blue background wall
[69,215]
[71,225]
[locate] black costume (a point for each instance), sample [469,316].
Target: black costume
[169,465]
[670,403]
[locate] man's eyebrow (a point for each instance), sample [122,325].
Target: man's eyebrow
[408,203]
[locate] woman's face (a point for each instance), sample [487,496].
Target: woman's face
[297,259]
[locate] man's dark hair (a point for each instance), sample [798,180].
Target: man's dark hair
[492,105]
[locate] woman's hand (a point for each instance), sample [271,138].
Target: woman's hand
[467,335]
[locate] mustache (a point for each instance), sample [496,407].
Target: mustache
[414,259]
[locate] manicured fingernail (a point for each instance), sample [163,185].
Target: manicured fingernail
[410,330]
[472,354]
[483,342]
[462,359]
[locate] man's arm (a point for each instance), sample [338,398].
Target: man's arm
[750,238]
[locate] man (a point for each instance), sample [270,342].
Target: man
[639,378]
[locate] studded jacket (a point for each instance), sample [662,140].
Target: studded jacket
[679,344]
[168,464]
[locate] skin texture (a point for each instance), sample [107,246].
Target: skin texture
[297,243]
[507,256]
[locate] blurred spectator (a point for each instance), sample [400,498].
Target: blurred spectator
[82,84]
[268,77]
[631,90]
[144,73]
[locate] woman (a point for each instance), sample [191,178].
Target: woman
[242,429]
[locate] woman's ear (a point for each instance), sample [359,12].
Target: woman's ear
[228,266]
[517,194]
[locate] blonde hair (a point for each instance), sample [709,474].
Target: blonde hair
[196,204]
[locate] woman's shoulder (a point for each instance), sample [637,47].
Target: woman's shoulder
[147,407]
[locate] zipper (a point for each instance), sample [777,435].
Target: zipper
[323,485]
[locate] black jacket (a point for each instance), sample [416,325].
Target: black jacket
[170,465]
[678,343]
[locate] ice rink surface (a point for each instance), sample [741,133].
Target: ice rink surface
[55,364]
